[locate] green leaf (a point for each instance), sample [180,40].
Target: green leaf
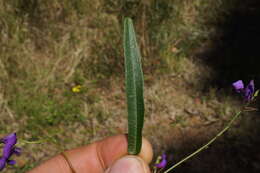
[134,88]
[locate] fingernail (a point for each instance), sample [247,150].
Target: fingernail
[128,164]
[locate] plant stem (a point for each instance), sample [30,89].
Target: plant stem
[207,144]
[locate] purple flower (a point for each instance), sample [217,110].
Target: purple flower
[8,150]
[247,91]
[163,162]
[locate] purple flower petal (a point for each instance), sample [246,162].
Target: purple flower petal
[249,91]
[238,85]
[11,139]
[2,163]
[9,149]
[252,85]
[163,163]
[7,152]
[11,162]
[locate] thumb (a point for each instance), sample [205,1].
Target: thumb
[129,164]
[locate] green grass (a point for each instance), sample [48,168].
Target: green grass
[44,109]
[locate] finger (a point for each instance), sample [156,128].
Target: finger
[115,147]
[129,164]
[102,154]
[95,157]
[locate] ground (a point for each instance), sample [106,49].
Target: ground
[178,120]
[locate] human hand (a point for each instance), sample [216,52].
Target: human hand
[106,156]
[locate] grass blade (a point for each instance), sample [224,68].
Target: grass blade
[134,88]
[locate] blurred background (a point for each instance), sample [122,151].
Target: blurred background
[62,77]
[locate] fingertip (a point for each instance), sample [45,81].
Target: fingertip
[115,147]
[129,164]
[146,152]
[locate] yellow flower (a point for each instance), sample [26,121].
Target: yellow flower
[76,89]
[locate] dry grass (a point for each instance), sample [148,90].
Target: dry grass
[172,106]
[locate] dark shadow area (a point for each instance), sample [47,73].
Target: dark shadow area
[234,53]
[237,151]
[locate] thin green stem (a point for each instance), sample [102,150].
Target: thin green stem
[31,142]
[207,144]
